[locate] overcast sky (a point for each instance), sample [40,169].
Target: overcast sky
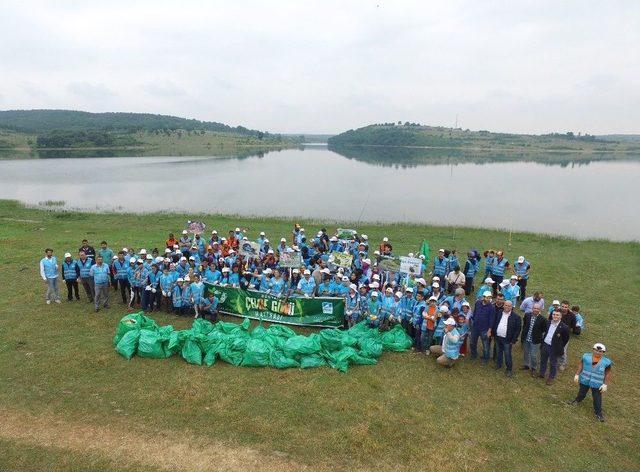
[326,66]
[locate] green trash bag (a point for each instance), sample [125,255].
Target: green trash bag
[191,352]
[370,347]
[396,340]
[151,344]
[202,326]
[229,355]
[176,340]
[127,323]
[312,360]
[210,357]
[278,360]
[281,331]
[257,354]
[302,345]
[128,345]
[332,339]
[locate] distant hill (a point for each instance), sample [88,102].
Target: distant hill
[417,135]
[629,138]
[46,121]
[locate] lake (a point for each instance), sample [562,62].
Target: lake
[557,194]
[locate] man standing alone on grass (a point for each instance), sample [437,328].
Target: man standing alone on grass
[594,373]
[49,273]
[506,329]
[100,273]
[555,338]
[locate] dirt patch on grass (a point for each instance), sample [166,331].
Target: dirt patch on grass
[126,447]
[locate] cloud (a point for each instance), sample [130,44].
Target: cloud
[90,91]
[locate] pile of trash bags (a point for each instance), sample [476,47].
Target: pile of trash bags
[276,346]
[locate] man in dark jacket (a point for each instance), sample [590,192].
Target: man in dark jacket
[569,319]
[533,327]
[506,330]
[88,250]
[554,340]
[482,322]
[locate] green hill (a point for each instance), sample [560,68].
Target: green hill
[417,135]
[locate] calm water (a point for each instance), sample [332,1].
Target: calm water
[547,194]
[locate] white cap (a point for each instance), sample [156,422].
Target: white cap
[365,237]
[444,309]
[267,270]
[237,230]
[266,240]
[223,239]
[344,278]
[184,231]
[374,285]
[143,251]
[555,302]
[435,285]
[124,249]
[158,259]
[167,251]
[132,259]
[410,254]
[487,293]
[421,256]
[440,250]
[261,233]
[333,238]
[187,279]
[376,253]
[296,271]
[319,234]
[270,251]
[302,230]
[244,238]
[450,322]
[489,280]
[520,259]
[149,256]
[435,278]
[325,271]
[178,251]
[183,258]
[295,248]
[232,251]
[367,261]
[353,287]
[283,240]
[67,254]
[465,304]
[388,289]
[166,259]
[421,281]
[435,299]
[376,277]
[225,269]
[385,240]
[600,347]
[191,258]
[175,246]
[214,232]
[374,294]
[179,279]
[514,277]
[307,272]
[139,261]
[398,294]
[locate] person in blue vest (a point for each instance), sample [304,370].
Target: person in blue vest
[278,284]
[487,285]
[166,289]
[49,273]
[440,265]
[352,306]
[406,309]
[417,321]
[521,269]
[373,310]
[121,269]
[307,285]
[208,306]
[511,290]
[176,296]
[100,273]
[498,269]
[70,274]
[471,267]
[84,264]
[234,277]
[594,373]
[131,273]
[449,351]
[489,259]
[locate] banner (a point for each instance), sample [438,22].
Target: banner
[249,249]
[390,264]
[195,227]
[290,259]
[409,263]
[342,259]
[320,312]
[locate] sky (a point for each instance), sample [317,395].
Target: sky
[328,66]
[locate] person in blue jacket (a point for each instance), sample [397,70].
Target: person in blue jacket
[121,276]
[84,264]
[101,279]
[521,269]
[70,274]
[594,373]
[208,306]
[166,289]
[176,296]
[307,285]
[352,306]
[234,277]
[278,284]
[417,321]
[440,264]
[511,291]
[471,267]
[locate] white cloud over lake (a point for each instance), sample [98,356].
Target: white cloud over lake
[326,66]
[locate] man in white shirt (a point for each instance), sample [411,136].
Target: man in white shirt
[506,331]
[554,339]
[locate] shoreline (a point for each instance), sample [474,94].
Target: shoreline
[58,207]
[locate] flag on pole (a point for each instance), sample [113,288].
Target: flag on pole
[424,250]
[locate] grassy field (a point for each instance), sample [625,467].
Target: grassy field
[68,401]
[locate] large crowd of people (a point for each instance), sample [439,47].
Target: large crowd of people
[445,306]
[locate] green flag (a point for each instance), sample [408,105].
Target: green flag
[424,250]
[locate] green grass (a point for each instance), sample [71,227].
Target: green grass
[59,369]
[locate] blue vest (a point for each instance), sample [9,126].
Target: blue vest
[499,266]
[121,269]
[50,269]
[100,274]
[177,296]
[440,266]
[472,268]
[69,270]
[593,375]
[450,349]
[521,269]
[85,268]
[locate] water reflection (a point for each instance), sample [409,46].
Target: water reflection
[412,157]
